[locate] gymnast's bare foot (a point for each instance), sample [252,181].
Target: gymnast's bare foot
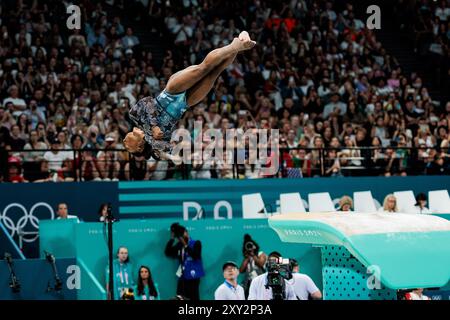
[243,42]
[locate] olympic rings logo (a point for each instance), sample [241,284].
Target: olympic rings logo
[28,218]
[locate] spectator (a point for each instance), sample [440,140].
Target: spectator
[15,171]
[16,142]
[108,161]
[230,289]
[18,104]
[437,165]
[138,168]
[103,212]
[129,40]
[43,173]
[304,286]
[96,38]
[62,212]
[145,288]
[34,144]
[421,202]
[345,204]
[189,254]
[335,107]
[416,294]
[123,274]
[55,157]
[389,204]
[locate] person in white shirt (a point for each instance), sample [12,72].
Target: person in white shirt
[304,286]
[63,212]
[55,157]
[259,289]
[334,106]
[421,202]
[19,104]
[416,294]
[230,289]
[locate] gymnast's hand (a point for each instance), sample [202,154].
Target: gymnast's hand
[157,133]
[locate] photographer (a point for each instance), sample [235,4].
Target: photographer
[230,289]
[123,274]
[304,286]
[273,285]
[189,253]
[254,262]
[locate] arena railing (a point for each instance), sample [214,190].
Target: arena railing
[298,162]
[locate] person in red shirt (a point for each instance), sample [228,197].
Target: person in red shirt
[15,170]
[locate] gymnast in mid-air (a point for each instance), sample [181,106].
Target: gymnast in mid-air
[155,119]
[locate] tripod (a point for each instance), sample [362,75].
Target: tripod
[58,283]
[14,284]
[109,223]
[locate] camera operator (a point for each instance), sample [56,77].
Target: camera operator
[123,274]
[273,285]
[304,286]
[230,289]
[254,262]
[189,253]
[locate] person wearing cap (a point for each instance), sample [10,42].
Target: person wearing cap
[230,289]
[15,170]
[108,161]
[421,202]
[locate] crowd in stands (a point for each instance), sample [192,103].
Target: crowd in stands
[342,104]
[426,25]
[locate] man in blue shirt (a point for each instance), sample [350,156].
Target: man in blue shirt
[230,289]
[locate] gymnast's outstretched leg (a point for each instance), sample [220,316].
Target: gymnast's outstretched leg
[187,78]
[201,89]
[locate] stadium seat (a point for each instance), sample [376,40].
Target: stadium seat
[405,201]
[320,202]
[291,203]
[439,201]
[253,206]
[363,202]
